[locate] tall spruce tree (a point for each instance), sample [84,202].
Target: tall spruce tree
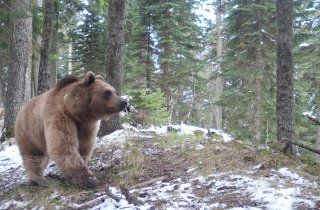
[19,74]
[90,39]
[159,57]
[140,48]
[114,57]
[44,79]
[177,51]
[307,87]
[4,48]
[248,66]
[285,96]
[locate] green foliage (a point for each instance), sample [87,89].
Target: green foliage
[163,41]
[150,107]
[249,27]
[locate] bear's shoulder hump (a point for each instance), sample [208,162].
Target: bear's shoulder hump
[69,79]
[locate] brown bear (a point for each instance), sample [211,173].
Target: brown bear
[61,125]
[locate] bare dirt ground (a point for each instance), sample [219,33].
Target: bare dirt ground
[172,171]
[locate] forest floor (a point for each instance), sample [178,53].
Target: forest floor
[170,170]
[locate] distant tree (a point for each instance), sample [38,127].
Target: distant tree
[19,72]
[37,25]
[4,47]
[114,57]
[306,57]
[53,59]
[285,92]
[139,65]
[248,64]
[219,81]
[90,40]
[44,79]
[177,50]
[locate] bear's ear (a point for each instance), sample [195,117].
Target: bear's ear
[89,78]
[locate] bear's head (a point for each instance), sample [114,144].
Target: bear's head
[93,99]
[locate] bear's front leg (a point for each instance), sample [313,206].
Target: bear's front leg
[64,152]
[72,166]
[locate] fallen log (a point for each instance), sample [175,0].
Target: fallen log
[149,182]
[92,203]
[111,195]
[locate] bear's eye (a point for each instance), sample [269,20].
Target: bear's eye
[107,94]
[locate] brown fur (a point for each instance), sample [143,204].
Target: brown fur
[61,125]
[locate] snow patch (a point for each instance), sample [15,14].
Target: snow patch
[10,158]
[184,129]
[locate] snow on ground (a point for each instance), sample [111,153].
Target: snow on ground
[10,158]
[281,190]
[184,129]
[263,193]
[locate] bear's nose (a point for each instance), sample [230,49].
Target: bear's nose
[123,103]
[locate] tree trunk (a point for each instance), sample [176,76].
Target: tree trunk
[1,100]
[36,59]
[258,89]
[44,71]
[149,64]
[219,80]
[70,49]
[285,96]
[4,52]
[114,57]
[19,75]
[54,47]
[257,111]
[317,157]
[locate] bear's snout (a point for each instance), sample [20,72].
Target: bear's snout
[123,104]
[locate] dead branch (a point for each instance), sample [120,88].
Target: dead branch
[92,203]
[149,182]
[304,146]
[313,119]
[111,195]
[130,197]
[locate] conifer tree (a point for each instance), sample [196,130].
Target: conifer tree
[44,79]
[249,67]
[114,57]
[285,95]
[19,74]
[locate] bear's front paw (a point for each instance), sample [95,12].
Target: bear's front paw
[90,182]
[86,182]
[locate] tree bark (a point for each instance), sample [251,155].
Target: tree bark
[4,52]
[44,71]
[36,59]
[317,157]
[285,93]
[114,57]
[149,64]
[258,89]
[219,80]
[19,75]
[54,46]
[69,65]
